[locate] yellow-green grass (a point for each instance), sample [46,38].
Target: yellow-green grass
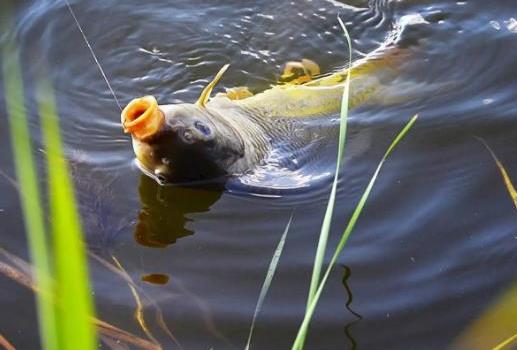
[64,304]
[317,284]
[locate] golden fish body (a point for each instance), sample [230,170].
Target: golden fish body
[223,136]
[322,96]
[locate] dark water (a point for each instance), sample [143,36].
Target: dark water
[436,244]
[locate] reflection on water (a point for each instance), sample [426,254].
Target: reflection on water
[164,215]
[349,298]
[156,278]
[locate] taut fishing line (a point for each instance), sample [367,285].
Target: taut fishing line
[93,53]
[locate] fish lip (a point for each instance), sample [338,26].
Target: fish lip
[148,172]
[142,117]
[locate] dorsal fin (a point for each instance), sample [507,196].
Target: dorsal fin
[205,94]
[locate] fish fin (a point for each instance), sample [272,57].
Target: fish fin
[238,93]
[205,94]
[299,72]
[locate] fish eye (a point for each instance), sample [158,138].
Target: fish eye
[205,130]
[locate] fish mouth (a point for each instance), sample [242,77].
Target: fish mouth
[149,173]
[142,117]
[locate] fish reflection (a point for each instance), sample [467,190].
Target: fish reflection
[165,209]
[156,278]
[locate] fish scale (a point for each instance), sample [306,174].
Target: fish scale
[322,97]
[279,133]
[277,128]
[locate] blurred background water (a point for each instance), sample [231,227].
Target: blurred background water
[434,247]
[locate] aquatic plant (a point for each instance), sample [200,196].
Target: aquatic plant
[19,270]
[74,307]
[504,174]
[311,306]
[64,303]
[495,328]
[269,277]
[317,284]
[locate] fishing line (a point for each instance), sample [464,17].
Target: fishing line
[93,53]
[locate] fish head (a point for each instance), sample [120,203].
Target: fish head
[180,143]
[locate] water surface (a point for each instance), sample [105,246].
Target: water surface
[434,247]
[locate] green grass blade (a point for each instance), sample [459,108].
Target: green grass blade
[269,277]
[302,332]
[327,219]
[75,307]
[30,197]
